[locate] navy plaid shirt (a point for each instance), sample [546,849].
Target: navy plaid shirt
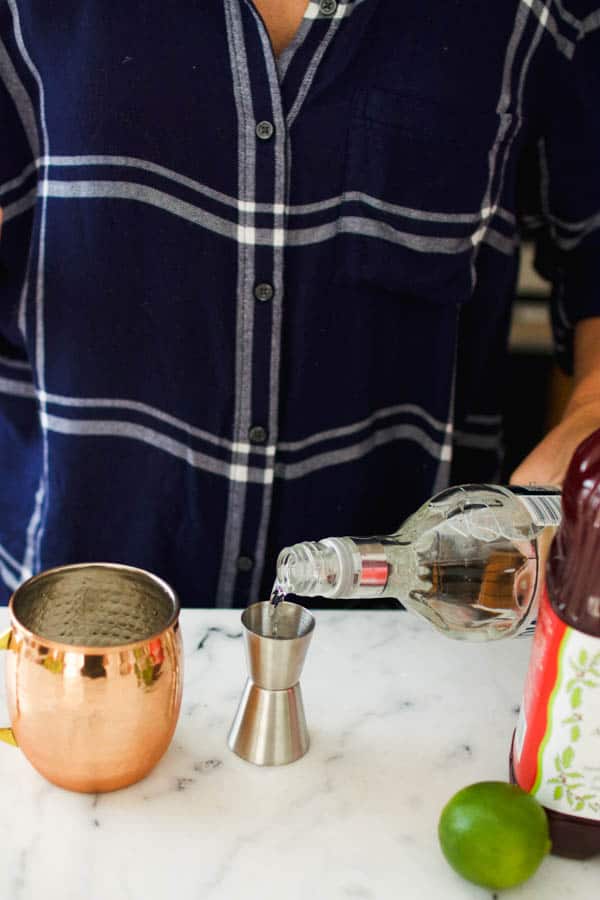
[247,301]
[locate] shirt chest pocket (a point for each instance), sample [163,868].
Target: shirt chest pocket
[418,181]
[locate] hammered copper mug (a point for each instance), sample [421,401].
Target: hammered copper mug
[93,674]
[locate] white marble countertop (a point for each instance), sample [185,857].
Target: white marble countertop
[400,718]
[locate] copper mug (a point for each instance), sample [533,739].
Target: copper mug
[93,674]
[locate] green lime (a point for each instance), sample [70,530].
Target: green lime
[494,834]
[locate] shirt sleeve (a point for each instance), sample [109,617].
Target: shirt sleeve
[562,188]
[19,126]
[19,153]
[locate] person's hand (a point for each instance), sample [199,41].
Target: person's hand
[548,462]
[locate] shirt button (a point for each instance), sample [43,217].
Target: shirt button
[245,564]
[264,291]
[328,7]
[257,434]
[265,130]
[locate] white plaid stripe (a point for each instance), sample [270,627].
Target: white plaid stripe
[288,209]
[250,236]
[546,19]
[8,577]
[126,189]
[20,97]
[590,23]
[239,469]
[15,364]
[9,560]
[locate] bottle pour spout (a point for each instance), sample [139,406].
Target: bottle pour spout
[311,569]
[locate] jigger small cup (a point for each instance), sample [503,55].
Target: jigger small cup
[269,728]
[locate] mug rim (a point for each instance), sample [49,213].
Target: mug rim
[94,649]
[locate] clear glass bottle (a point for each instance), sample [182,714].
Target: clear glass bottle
[470,560]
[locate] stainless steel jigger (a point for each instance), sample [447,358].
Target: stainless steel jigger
[269,728]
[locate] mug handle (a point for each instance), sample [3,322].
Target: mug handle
[6,734]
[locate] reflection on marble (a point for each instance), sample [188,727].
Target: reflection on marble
[400,718]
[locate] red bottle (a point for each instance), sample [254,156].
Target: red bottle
[555,753]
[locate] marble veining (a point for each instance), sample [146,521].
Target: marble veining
[400,718]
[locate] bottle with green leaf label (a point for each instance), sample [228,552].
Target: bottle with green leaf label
[556,747]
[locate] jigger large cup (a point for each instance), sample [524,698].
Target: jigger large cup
[269,728]
[93,674]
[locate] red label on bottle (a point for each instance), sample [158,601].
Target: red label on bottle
[541,680]
[374,573]
[557,742]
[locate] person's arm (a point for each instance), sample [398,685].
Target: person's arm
[548,462]
[560,185]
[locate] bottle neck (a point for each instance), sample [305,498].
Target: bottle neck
[333,568]
[370,566]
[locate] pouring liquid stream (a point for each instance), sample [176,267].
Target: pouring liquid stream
[277,595]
